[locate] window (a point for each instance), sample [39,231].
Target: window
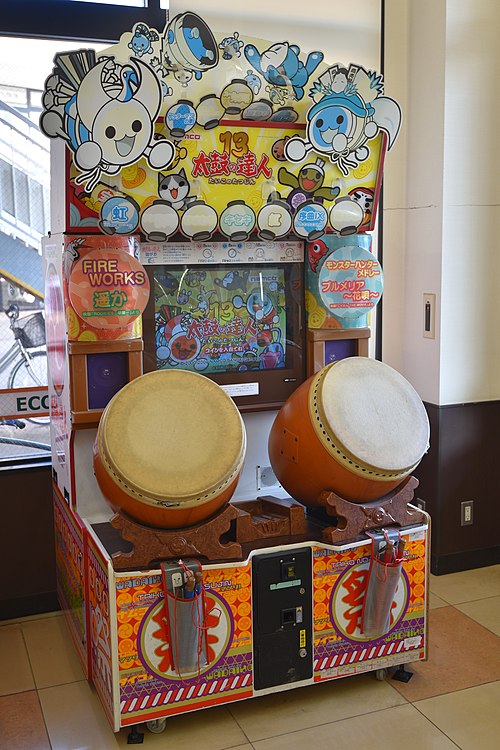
[6,187]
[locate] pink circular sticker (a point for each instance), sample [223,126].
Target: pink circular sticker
[108,288]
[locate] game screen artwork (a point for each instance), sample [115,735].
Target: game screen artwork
[220,319]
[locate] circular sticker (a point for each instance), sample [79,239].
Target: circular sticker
[350,282]
[346,603]
[237,221]
[155,649]
[181,118]
[119,215]
[274,220]
[310,220]
[108,288]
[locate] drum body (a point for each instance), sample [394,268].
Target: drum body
[356,428]
[169,449]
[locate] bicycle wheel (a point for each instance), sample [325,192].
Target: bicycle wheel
[22,376]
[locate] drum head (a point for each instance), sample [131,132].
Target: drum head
[373,415]
[172,435]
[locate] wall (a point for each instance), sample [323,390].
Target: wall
[441,207]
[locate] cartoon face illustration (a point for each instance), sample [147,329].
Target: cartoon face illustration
[174,344]
[343,120]
[183,76]
[174,189]
[260,307]
[280,65]
[278,148]
[231,46]
[183,349]
[364,197]
[253,81]
[140,44]
[315,251]
[123,130]
[105,112]
[307,185]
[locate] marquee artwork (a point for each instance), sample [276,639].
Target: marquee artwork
[187,133]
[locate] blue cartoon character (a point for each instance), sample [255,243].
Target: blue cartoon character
[231,46]
[140,44]
[344,119]
[253,81]
[105,112]
[280,65]
[189,46]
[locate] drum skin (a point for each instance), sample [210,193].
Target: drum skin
[304,466]
[163,518]
[169,449]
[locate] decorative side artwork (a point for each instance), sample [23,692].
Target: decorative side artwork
[182,131]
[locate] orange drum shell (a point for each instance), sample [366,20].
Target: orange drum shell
[305,468]
[156,515]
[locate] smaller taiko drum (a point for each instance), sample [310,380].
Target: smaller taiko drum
[169,449]
[357,428]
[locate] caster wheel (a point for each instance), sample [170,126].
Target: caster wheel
[380,674]
[156,726]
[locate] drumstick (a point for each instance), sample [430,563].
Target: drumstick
[401,548]
[388,553]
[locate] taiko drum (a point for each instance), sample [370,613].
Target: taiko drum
[169,449]
[357,428]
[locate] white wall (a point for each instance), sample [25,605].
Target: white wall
[345,32]
[442,197]
[413,184]
[470,345]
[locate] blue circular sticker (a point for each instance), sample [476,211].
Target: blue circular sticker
[119,215]
[181,118]
[310,220]
[350,282]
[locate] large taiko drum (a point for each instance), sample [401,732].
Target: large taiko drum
[356,428]
[169,449]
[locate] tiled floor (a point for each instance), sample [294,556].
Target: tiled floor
[452,701]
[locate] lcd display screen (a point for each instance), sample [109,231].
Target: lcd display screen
[220,319]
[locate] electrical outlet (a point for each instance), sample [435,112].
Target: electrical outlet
[467,514]
[266,478]
[419,503]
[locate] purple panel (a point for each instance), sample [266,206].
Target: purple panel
[106,374]
[339,349]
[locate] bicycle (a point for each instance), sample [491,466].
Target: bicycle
[19,424]
[30,368]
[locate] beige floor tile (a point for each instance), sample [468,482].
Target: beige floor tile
[471,718]
[15,674]
[468,586]
[209,729]
[392,729]
[75,719]
[51,651]
[435,601]
[300,708]
[21,723]
[484,611]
